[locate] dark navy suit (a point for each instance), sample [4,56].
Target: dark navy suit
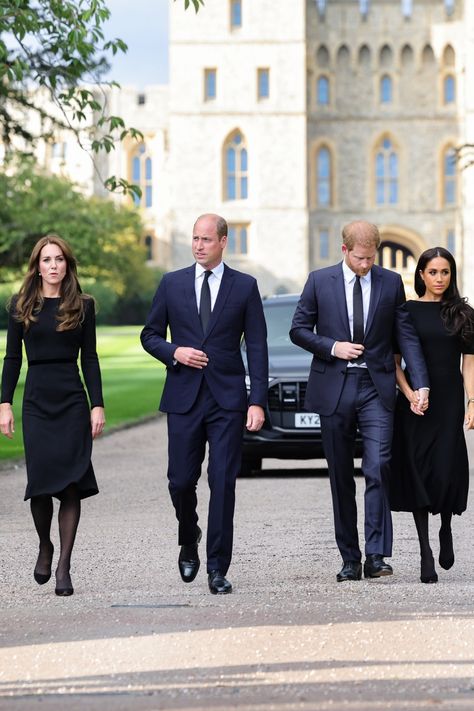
[208,405]
[347,398]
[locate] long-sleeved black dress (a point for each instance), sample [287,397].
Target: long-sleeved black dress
[56,417]
[430,468]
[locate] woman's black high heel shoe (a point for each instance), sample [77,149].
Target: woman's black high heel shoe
[428,572]
[42,578]
[64,589]
[446,550]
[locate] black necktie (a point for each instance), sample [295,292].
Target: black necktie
[357,313]
[205,301]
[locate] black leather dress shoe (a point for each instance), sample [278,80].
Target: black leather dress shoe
[351,570]
[376,567]
[188,560]
[218,584]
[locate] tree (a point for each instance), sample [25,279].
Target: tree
[104,236]
[59,47]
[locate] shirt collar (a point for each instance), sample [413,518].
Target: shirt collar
[349,275]
[217,271]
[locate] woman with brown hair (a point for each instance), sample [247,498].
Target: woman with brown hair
[56,321]
[430,469]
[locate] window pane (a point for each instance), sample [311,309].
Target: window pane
[148,169]
[449,90]
[323,90]
[393,165]
[136,169]
[449,164]
[236,13]
[243,188]
[324,244]
[231,188]
[323,163]
[231,160]
[231,241]
[379,165]
[263,83]
[393,192]
[210,80]
[386,90]
[243,159]
[243,240]
[148,196]
[450,192]
[451,241]
[380,198]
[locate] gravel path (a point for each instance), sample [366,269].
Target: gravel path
[134,637]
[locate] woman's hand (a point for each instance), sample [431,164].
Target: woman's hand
[469,417]
[413,397]
[7,421]
[97,421]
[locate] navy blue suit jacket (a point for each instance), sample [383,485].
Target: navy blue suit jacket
[389,329]
[237,312]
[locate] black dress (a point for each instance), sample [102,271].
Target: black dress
[56,417]
[430,468]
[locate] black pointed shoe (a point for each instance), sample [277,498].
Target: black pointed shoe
[218,584]
[351,570]
[376,567]
[188,560]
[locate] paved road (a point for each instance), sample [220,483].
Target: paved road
[135,638]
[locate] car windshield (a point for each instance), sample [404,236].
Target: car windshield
[279,318]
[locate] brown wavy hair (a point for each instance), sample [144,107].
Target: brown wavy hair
[456,314]
[29,301]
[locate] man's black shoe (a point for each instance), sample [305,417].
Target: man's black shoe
[188,560]
[352,570]
[218,584]
[376,567]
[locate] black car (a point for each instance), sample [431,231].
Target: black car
[289,432]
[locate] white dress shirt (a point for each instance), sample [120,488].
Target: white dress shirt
[365,285]
[214,282]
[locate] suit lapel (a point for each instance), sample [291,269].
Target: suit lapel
[340,298]
[190,292]
[227,282]
[375,291]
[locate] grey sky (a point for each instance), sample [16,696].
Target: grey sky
[143,25]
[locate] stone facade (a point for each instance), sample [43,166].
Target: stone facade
[292,118]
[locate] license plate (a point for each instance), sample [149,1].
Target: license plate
[307,419]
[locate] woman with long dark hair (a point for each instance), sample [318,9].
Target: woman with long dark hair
[430,470]
[55,320]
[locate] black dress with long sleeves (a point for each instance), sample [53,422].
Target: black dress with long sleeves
[430,468]
[56,417]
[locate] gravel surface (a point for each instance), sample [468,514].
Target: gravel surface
[133,637]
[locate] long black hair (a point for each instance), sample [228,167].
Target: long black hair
[456,314]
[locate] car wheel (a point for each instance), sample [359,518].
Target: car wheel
[250,465]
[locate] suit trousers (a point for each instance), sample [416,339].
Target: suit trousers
[187,437]
[360,406]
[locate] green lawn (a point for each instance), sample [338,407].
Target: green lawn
[132,382]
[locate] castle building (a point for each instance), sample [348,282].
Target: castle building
[292,118]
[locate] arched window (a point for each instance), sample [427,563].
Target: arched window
[235,13]
[386,174]
[386,56]
[322,56]
[449,177]
[449,89]
[364,56]
[323,91]
[236,168]
[149,247]
[407,56]
[386,90]
[343,56]
[323,177]
[142,175]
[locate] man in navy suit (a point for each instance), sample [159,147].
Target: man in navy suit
[208,307]
[350,317]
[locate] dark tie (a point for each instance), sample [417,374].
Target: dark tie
[357,313]
[205,301]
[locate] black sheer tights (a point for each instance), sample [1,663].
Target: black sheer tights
[428,572]
[68,519]
[446,550]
